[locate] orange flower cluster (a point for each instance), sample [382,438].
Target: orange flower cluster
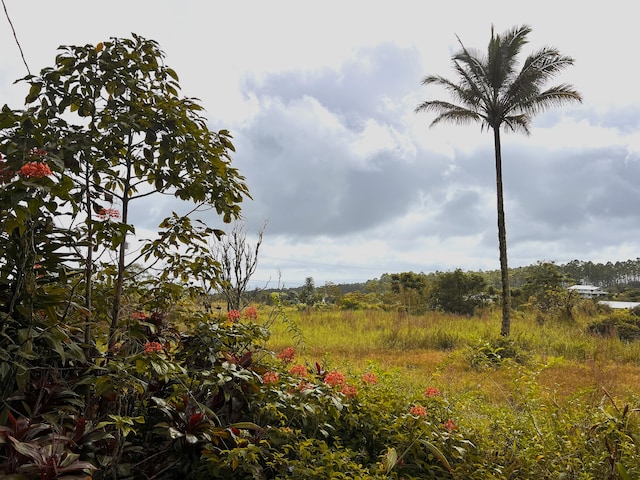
[349,391]
[287,355]
[418,410]
[298,371]
[251,313]
[431,392]
[270,377]
[233,315]
[334,378]
[151,347]
[369,378]
[139,316]
[35,170]
[106,213]
[450,425]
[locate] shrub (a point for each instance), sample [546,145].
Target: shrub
[622,324]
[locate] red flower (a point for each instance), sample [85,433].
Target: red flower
[35,170]
[450,425]
[270,377]
[418,410]
[369,378]
[298,370]
[349,391]
[233,315]
[287,355]
[139,316]
[334,378]
[251,313]
[431,392]
[108,213]
[151,347]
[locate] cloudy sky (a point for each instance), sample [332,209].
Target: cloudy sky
[320,99]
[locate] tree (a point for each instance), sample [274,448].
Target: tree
[410,289]
[238,261]
[113,114]
[457,292]
[492,91]
[546,290]
[306,293]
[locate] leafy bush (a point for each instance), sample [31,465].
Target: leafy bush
[491,354]
[622,324]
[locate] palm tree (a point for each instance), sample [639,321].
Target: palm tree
[492,91]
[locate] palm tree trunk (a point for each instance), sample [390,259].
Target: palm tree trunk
[505,329]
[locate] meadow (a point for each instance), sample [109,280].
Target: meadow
[565,401]
[448,350]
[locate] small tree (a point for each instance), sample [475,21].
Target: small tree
[114,114]
[457,292]
[545,289]
[238,261]
[411,290]
[306,295]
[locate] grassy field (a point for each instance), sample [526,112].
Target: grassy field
[456,354]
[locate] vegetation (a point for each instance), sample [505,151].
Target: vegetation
[494,93]
[114,365]
[555,400]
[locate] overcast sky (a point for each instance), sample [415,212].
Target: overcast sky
[320,100]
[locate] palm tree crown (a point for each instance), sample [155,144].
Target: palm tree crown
[492,91]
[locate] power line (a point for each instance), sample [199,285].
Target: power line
[16,37]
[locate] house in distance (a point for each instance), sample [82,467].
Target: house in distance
[588,291]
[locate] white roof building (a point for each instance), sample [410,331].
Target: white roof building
[588,291]
[611,304]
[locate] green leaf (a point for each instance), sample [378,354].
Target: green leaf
[438,454]
[34,91]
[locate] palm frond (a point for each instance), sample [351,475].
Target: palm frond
[459,117]
[503,51]
[518,123]
[552,97]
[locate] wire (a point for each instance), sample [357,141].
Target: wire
[16,37]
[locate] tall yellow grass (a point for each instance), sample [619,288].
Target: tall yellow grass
[433,349]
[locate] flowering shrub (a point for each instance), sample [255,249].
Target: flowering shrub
[369,377]
[251,313]
[152,347]
[431,392]
[418,410]
[335,378]
[298,371]
[450,425]
[233,315]
[349,391]
[270,377]
[287,355]
[35,170]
